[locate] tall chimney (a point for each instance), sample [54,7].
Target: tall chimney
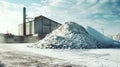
[24,21]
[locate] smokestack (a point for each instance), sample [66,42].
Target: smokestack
[24,21]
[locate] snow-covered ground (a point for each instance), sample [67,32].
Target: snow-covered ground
[21,54]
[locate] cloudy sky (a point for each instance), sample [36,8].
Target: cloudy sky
[99,14]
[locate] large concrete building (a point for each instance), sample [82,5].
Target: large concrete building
[40,26]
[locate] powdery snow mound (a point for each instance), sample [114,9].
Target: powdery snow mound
[106,42]
[69,35]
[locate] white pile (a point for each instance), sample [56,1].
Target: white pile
[69,35]
[74,36]
[106,42]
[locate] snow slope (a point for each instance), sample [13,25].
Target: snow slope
[106,42]
[69,35]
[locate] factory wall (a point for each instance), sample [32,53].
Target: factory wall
[33,27]
[20,29]
[28,28]
[38,26]
[44,25]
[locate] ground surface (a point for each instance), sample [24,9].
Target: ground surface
[20,55]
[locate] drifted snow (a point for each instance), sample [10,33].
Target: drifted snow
[106,42]
[74,36]
[69,35]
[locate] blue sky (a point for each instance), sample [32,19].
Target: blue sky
[99,14]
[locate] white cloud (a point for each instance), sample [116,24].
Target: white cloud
[55,2]
[36,4]
[91,1]
[11,16]
[82,11]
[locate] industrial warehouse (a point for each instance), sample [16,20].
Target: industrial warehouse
[31,31]
[40,26]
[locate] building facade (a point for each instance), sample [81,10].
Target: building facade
[40,26]
[116,37]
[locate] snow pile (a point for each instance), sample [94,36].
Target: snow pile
[106,42]
[69,35]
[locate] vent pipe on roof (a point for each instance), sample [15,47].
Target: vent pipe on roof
[24,21]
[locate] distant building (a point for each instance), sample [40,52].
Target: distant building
[40,26]
[116,37]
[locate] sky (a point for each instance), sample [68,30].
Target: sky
[99,14]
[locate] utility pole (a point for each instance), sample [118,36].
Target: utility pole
[24,21]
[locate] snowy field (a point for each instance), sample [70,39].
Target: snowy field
[22,56]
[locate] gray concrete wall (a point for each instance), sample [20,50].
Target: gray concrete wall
[20,29]
[1,38]
[18,39]
[38,26]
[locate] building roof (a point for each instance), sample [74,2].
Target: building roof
[41,16]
